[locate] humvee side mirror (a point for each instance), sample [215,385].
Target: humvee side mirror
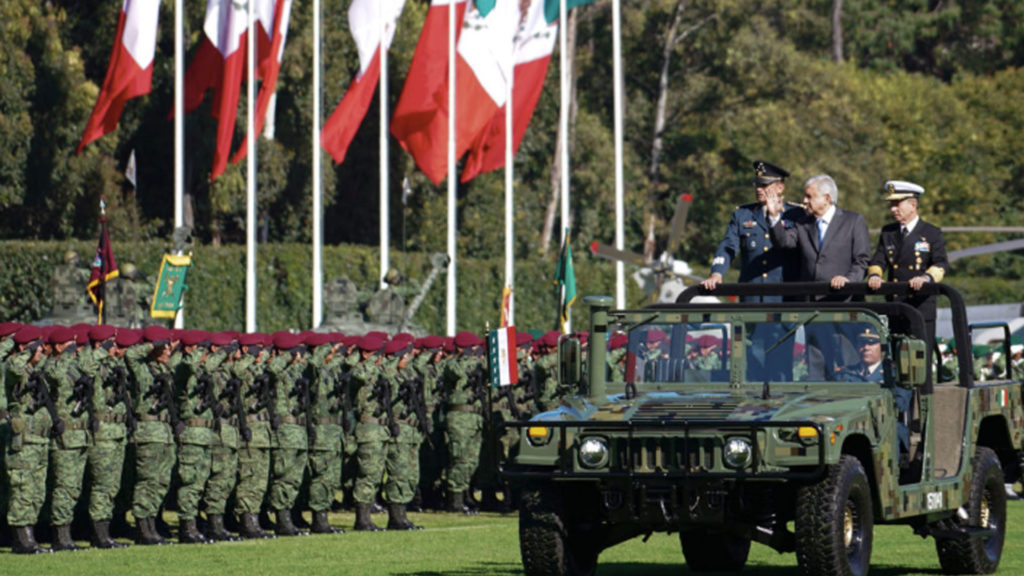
[570,364]
[910,361]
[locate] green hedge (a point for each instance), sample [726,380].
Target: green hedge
[216,296]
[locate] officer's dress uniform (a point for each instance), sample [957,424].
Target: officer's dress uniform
[748,239]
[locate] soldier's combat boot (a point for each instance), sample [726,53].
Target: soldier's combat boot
[322,526]
[216,531]
[25,542]
[188,533]
[363,521]
[285,527]
[397,519]
[457,503]
[147,534]
[101,536]
[251,527]
[62,541]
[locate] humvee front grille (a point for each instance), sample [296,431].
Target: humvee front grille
[662,449]
[675,412]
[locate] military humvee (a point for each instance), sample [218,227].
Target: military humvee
[779,438]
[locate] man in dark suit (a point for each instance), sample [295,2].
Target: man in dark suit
[911,249]
[832,243]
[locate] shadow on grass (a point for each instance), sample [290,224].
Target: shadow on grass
[633,568]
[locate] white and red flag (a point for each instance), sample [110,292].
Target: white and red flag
[416,123]
[270,50]
[364,19]
[534,43]
[130,72]
[218,64]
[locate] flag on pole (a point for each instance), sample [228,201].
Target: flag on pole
[130,169]
[501,356]
[218,64]
[534,43]
[506,307]
[104,267]
[130,72]
[364,20]
[551,7]
[565,281]
[269,64]
[416,122]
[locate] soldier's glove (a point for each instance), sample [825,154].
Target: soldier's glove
[58,428]
[275,422]
[179,428]
[395,430]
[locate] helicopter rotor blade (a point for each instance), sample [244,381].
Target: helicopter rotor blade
[616,255]
[678,223]
[986,249]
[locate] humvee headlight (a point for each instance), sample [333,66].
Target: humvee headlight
[593,453]
[538,435]
[738,453]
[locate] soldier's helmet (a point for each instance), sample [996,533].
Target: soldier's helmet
[128,271]
[70,257]
[394,277]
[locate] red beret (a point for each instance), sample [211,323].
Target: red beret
[583,336]
[403,337]
[449,344]
[127,337]
[154,333]
[617,341]
[382,336]
[467,339]
[314,339]
[336,336]
[655,336]
[370,343]
[101,332]
[221,338]
[60,335]
[250,339]
[286,340]
[432,341]
[550,339]
[523,338]
[8,328]
[27,334]
[193,337]
[397,347]
[81,335]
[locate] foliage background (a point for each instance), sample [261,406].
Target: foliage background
[928,90]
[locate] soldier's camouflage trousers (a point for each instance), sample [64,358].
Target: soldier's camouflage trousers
[465,436]
[194,462]
[154,462]
[253,476]
[370,457]
[5,488]
[325,467]
[26,464]
[68,470]
[223,472]
[287,465]
[403,465]
[105,467]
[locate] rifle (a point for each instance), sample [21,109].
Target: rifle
[123,395]
[301,390]
[163,390]
[81,397]
[478,383]
[204,391]
[267,394]
[233,394]
[341,392]
[41,399]
[410,393]
[506,393]
[382,391]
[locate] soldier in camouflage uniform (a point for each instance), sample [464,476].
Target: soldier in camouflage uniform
[327,413]
[224,452]
[289,455]
[72,398]
[28,452]
[371,430]
[157,421]
[254,452]
[106,453]
[408,406]
[7,345]
[545,364]
[427,363]
[195,401]
[464,419]
[616,358]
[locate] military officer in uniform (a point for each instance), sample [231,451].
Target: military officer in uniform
[465,420]
[748,237]
[911,249]
[254,454]
[289,455]
[371,430]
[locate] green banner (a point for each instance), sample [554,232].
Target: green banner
[170,286]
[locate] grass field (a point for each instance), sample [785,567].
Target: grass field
[460,546]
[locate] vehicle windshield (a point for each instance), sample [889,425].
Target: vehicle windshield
[809,349]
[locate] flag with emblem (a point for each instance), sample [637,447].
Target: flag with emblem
[551,7]
[104,268]
[565,280]
[501,356]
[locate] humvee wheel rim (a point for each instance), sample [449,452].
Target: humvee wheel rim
[849,519]
[984,512]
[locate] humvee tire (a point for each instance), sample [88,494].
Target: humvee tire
[549,544]
[986,508]
[835,522]
[714,552]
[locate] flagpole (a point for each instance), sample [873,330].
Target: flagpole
[450,299]
[179,132]
[564,122]
[318,274]
[620,273]
[250,174]
[510,269]
[385,224]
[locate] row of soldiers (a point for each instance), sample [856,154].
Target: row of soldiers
[245,419]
